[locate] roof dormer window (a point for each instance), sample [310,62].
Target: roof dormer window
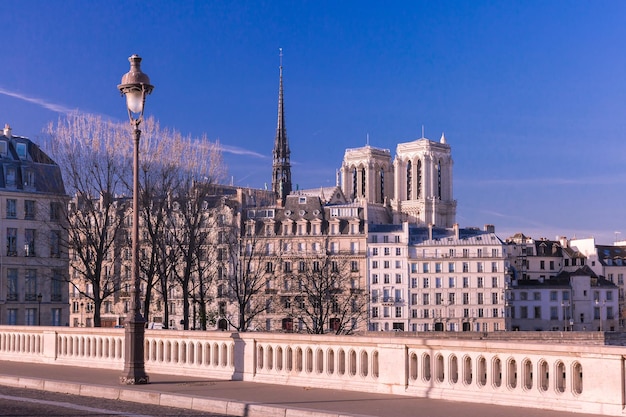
[3,148]
[21,150]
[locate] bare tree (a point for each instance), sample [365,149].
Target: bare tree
[188,218]
[90,152]
[325,294]
[251,268]
[94,156]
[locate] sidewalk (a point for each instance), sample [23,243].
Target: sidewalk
[245,399]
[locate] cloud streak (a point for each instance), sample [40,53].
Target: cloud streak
[239,151]
[58,108]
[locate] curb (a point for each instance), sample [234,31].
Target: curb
[209,405]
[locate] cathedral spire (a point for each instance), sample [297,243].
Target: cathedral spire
[281,167]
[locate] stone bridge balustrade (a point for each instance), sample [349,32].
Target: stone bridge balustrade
[571,371]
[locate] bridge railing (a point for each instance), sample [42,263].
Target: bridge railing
[571,373]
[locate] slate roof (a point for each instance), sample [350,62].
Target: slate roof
[611,255]
[47,174]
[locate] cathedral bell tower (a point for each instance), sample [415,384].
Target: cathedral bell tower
[281,167]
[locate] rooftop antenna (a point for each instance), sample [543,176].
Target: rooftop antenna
[367,139]
[422,131]
[280,54]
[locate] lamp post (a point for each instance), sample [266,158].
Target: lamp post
[135,86]
[39,298]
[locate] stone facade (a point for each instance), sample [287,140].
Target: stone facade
[34,261]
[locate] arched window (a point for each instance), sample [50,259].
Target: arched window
[363,181]
[418,191]
[408,180]
[382,185]
[354,183]
[439,180]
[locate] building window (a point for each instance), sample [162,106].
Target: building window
[374,251]
[398,311]
[11,177]
[12,316]
[438,267]
[29,209]
[374,278]
[11,208]
[399,279]
[398,251]
[374,312]
[494,298]
[425,283]
[425,267]
[542,264]
[56,286]
[480,298]
[301,266]
[523,312]
[30,285]
[554,315]
[465,282]
[29,246]
[30,319]
[374,264]
[450,267]
[55,317]
[354,266]
[386,278]
[465,266]
[11,241]
[55,243]
[480,282]
[425,299]
[451,282]
[12,290]
[386,264]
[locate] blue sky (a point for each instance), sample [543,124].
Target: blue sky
[531,95]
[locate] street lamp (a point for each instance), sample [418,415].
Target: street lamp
[135,86]
[39,298]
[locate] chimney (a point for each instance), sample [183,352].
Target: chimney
[430,231]
[7,131]
[455,227]
[490,228]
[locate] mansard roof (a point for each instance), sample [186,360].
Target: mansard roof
[26,168]
[328,195]
[548,248]
[611,255]
[448,236]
